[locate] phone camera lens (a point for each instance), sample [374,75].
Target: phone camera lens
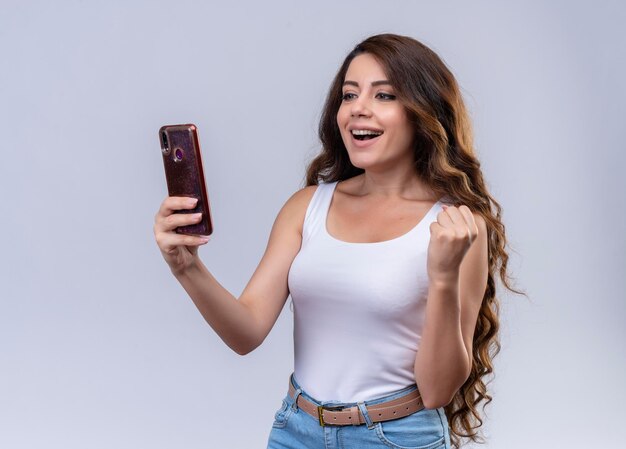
[178,155]
[165,148]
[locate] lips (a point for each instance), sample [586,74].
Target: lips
[364,134]
[363,143]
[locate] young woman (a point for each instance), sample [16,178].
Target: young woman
[389,254]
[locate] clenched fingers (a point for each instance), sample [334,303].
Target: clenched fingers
[172,203]
[171,222]
[462,221]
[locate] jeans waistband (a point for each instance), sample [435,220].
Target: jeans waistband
[387,397]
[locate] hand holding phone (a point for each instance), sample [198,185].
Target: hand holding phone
[184,174]
[183,221]
[180,251]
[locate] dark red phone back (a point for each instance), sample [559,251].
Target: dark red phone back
[184,173]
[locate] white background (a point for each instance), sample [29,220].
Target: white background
[99,345]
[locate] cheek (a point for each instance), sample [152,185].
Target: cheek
[407,132]
[405,138]
[342,117]
[397,121]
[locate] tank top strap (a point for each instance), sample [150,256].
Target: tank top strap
[315,217]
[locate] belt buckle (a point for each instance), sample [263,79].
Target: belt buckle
[320,412]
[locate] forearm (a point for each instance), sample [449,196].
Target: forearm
[228,317]
[442,363]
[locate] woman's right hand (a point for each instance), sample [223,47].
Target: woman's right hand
[178,250]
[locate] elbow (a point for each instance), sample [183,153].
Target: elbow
[244,347]
[243,351]
[441,394]
[432,402]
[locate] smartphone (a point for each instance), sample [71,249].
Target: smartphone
[180,148]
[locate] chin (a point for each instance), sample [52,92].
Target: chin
[362,163]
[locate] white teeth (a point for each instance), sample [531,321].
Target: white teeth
[365,132]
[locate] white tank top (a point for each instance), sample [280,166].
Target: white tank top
[358,307]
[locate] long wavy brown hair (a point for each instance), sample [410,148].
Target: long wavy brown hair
[446,161]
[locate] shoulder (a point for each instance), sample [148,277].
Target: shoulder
[294,209]
[300,199]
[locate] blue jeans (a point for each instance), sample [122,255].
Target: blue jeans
[293,428]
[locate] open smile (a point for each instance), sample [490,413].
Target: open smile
[362,137]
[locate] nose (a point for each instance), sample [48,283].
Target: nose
[360,107]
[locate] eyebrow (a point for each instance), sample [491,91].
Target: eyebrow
[374,83]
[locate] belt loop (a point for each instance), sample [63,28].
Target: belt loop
[297,393]
[366,416]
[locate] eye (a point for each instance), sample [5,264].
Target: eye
[348,96]
[385,96]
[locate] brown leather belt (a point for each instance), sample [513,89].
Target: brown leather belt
[338,416]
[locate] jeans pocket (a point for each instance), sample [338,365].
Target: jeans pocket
[282,415]
[420,430]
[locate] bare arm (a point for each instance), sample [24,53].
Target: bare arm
[229,318]
[245,323]
[444,358]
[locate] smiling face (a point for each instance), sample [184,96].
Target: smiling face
[373,123]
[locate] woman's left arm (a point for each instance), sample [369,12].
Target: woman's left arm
[457,272]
